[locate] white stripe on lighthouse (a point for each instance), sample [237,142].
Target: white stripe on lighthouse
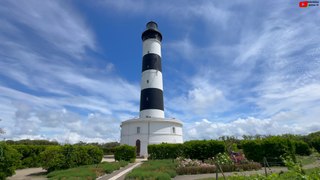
[151,79]
[147,113]
[151,46]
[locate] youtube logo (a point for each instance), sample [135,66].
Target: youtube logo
[303,4]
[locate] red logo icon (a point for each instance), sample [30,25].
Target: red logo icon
[303,4]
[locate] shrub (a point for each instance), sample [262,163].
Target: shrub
[165,151]
[53,158]
[30,155]
[9,160]
[125,153]
[302,148]
[68,156]
[202,149]
[272,148]
[315,142]
[188,166]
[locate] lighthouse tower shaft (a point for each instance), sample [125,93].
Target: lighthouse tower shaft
[151,98]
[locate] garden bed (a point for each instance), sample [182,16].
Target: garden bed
[88,171]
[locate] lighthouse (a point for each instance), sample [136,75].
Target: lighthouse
[151,99]
[151,127]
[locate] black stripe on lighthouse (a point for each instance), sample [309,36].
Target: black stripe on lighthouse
[151,98]
[151,61]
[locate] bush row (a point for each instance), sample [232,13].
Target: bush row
[125,153]
[30,155]
[316,143]
[273,148]
[9,160]
[197,149]
[212,169]
[68,156]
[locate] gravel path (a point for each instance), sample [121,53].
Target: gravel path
[29,174]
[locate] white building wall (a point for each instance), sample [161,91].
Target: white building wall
[152,131]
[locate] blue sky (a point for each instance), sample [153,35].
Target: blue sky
[70,70]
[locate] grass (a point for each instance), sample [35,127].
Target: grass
[294,172]
[312,174]
[87,172]
[154,169]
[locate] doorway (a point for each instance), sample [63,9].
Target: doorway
[138,145]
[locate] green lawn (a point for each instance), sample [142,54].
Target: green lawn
[87,172]
[154,169]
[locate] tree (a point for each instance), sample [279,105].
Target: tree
[1,130]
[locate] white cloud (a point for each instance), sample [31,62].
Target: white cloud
[201,100]
[206,129]
[55,22]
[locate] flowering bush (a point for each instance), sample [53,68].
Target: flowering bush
[189,166]
[182,162]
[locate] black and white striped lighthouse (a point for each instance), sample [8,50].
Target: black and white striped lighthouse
[151,127]
[151,98]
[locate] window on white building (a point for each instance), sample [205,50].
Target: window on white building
[138,130]
[173,130]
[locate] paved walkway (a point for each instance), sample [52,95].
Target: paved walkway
[121,173]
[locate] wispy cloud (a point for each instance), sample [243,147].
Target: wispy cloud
[240,67]
[44,84]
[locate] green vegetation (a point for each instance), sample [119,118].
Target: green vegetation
[125,153]
[197,149]
[108,148]
[69,156]
[272,148]
[9,160]
[315,142]
[305,160]
[88,171]
[165,151]
[154,169]
[32,142]
[295,171]
[30,155]
[203,149]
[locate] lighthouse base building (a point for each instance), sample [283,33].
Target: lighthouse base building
[141,132]
[151,127]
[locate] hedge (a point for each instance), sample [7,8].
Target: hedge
[9,160]
[125,153]
[197,149]
[69,156]
[165,151]
[202,149]
[302,148]
[272,148]
[315,143]
[30,155]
